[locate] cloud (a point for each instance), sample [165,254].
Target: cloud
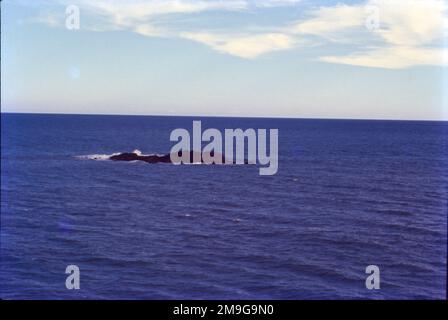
[411,32]
[397,57]
[274,3]
[47,18]
[245,46]
[411,22]
[126,12]
[326,22]
[142,16]
[148,30]
[375,33]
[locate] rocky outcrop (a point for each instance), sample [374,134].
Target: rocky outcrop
[131,156]
[134,156]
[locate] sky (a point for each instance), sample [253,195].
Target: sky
[372,59]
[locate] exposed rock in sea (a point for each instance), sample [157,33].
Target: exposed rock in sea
[136,156]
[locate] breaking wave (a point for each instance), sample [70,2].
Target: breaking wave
[103,157]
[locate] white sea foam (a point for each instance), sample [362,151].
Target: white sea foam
[99,157]
[103,157]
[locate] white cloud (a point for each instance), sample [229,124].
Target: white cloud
[274,3]
[148,30]
[410,32]
[328,21]
[141,17]
[411,22]
[244,46]
[48,18]
[127,12]
[393,57]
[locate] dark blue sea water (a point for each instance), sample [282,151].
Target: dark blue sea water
[347,194]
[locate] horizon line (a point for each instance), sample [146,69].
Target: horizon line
[220,116]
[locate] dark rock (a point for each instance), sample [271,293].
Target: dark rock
[131,156]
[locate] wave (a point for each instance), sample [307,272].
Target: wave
[98,157]
[102,157]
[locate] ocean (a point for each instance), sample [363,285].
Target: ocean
[347,194]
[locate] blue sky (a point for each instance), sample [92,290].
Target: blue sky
[380,59]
